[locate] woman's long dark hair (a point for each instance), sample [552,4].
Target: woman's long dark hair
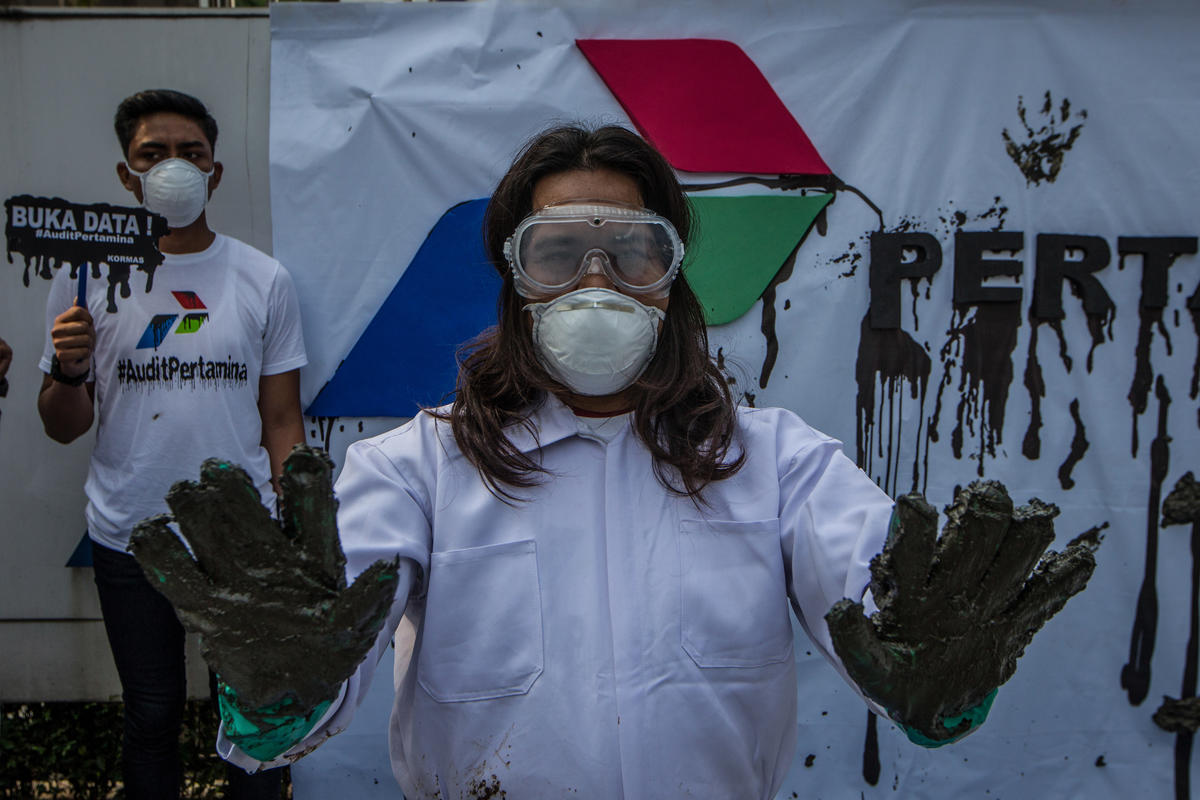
[683,410]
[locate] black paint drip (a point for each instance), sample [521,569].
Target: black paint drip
[768,317]
[42,266]
[1143,372]
[871,767]
[1182,507]
[887,358]
[118,279]
[1079,446]
[1099,325]
[1035,384]
[821,225]
[1195,387]
[768,300]
[1135,675]
[984,344]
[931,434]
[325,428]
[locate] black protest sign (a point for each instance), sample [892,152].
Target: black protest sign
[49,232]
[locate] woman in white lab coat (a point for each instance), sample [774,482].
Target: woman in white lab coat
[589,561]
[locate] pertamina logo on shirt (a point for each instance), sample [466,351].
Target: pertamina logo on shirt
[170,371]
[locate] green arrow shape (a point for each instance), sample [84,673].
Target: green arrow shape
[742,243]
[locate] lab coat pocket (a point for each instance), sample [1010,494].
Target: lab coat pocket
[482,633]
[734,606]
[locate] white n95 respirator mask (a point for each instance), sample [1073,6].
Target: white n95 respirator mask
[175,188]
[595,341]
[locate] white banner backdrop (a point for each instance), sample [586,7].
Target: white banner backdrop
[993,149]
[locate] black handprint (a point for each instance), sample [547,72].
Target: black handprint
[1040,155]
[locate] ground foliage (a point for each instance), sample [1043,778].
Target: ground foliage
[73,750]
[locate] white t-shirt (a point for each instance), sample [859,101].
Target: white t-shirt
[176,370]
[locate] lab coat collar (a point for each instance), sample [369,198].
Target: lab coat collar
[553,421]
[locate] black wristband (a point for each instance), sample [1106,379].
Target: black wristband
[57,374]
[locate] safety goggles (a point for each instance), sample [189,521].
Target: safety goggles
[554,247]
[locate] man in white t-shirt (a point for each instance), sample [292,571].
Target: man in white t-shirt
[200,361]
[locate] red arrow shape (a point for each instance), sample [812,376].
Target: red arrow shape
[188,299]
[704,104]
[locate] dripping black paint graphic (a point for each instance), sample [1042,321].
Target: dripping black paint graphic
[1079,446]
[982,334]
[1035,384]
[1143,374]
[1053,269]
[50,232]
[325,430]
[1135,675]
[1158,255]
[982,344]
[870,765]
[1182,507]
[1194,309]
[887,358]
[768,316]
[768,301]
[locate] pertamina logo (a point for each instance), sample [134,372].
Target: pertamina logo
[708,108]
[160,325]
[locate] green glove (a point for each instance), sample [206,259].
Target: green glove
[269,599]
[963,723]
[263,733]
[956,613]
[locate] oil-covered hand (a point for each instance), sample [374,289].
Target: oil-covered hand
[956,613]
[269,598]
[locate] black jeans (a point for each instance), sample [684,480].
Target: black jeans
[147,646]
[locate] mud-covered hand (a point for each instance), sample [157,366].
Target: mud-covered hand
[269,598]
[956,613]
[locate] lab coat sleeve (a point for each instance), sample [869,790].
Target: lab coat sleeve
[381,515]
[833,520]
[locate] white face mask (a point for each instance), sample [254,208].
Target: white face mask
[176,189]
[595,341]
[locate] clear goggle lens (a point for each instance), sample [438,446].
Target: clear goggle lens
[554,247]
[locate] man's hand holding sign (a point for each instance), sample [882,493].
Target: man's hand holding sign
[67,411]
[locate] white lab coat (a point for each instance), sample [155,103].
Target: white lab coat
[606,638]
